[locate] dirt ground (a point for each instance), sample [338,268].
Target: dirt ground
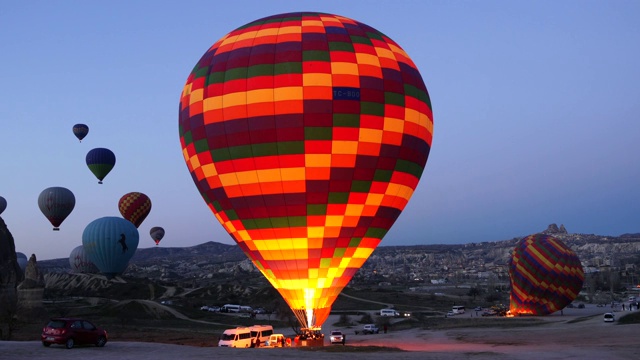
[577,334]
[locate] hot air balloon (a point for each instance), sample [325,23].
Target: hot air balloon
[3,204]
[157,233]
[22,261]
[80,263]
[80,131]
[110,242]
[56,203]
[306,134]
[135,206]
[100,161]
[545,274]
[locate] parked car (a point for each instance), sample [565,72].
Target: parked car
[450,313]
[214,309]
[71,332]
[609,317]
[370,329]
[477,308]
[337,337]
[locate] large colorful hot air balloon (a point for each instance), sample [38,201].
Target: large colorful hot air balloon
[80,131]
[80,262]
[135,206]
[3,204]
[157,233]
[110,242]
[545,274]
[306,135]
[56,203]
[100,161]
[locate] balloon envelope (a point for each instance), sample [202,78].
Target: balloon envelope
[157,233]
[56,203]
[80,131]
[22,261]
[3,204]
[546,276]
[135,206]
[110,242]
[306,135]
[100,161]
[80,262]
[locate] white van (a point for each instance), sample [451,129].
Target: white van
[458,309]
[230,308]
[389,312]
[239,337]
[261,331]
[276,340]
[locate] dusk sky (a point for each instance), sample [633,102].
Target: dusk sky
[535,113]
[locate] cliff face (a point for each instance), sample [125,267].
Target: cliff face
[10,277]
[31,292]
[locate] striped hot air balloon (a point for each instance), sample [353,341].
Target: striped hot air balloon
[546,276]
[306,134]
[135,206]
[80,131]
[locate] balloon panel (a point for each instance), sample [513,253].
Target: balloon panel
[56,203]
[135,207]
[546,275]
[110,242]
[306,134]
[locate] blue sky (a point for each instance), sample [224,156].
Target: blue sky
[535,113]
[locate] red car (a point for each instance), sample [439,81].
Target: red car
[71,331]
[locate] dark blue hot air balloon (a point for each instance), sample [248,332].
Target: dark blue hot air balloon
[80,131]
[100,161]
[110,242]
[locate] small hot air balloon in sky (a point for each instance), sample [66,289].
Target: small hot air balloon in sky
[3,204]
[80,262]
[306,134]
[110,242]
[80,131]
[157,233]
[22,261]
[56,203]
[135,206]
[546,276]
[100,161]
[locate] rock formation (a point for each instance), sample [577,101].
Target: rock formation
[10,276]
[31,292]
[553,229]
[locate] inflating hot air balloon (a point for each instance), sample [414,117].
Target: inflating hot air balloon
[135,206]
[157,233]
[56,203]
[110,242]
[100,161]
[80,262]
[545,274]
[306,134]
[80,131]
[3,204]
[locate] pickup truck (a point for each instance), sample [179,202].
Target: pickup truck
[370,329]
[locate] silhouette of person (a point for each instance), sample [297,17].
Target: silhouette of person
[123,243]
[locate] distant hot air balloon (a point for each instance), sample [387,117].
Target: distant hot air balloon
[306,134]
[135,206]
[110,242]
[22,261]
[546,276]
[80,262]
[80,131]
[100,161]
[157,233]
[3,204]
[56,203]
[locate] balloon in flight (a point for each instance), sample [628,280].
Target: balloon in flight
[110,242]
[80,131]
[306,134]
[80,262]
[3,204]
[56,203]
[100,161]
[546,276]
[157,233]
[22,261]
[135,206]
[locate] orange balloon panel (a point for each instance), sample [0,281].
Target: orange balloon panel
[306,134]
